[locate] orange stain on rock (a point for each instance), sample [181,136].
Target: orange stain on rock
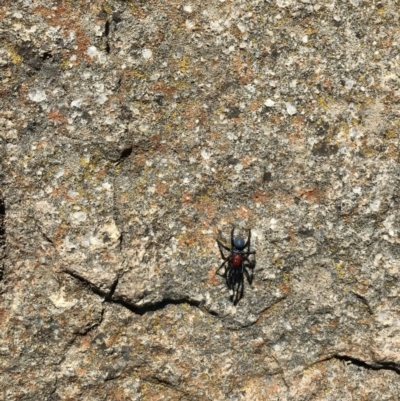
[63,16]
[187,198]
[260,197]
[56,115]
[164,88]
[255,105]
[161,188]
[243,213]
[312,195]
[285,289]
[4,314]
[212,279]
[275,118]
[246,161]
[292,236]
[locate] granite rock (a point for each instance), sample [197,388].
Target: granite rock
[134,134]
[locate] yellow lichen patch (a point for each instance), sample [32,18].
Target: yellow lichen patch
[368,151]
[322,102]
[381,11]
[389,134]
[310,31]
[184,64]
[107,8]
[340,269]
[15,57]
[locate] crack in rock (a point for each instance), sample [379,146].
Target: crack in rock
[382,365]
[137,309]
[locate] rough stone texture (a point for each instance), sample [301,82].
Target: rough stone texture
[133,134]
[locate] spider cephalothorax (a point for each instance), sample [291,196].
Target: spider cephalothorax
[237,264]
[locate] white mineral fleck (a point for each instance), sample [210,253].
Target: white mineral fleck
[239,167]
[273,224]
[59,173]
[375,205]
[147,54]
[269,103]
[205,155]
[291,109]
[92,51]
[349,84]
[250,88]
[216,26]
[242,27]
[230,135]
[143,128]
[37,95]
[189,24]
[76,103]
[79,217]
[304,39]
[102,98]
[59,300]
[188,8]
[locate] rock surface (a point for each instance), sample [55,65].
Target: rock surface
[133,134]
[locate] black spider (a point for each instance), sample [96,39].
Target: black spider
[238,264]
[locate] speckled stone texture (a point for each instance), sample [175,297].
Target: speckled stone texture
[135,133]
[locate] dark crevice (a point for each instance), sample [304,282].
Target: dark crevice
[44,235]
[364,301]
[107,29]
[382,365]
[124,154]
[163,382]
[52,392]
[87,283]
[94,326]
[152,307]
[113,287]
[46,238]
[137,309]
[106,34]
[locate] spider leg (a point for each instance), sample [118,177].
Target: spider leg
[247,244]
[248,276]
[238,293]
[222,264]
[221,245]
[241,286]
[232,234]
[230,278]
[252,263]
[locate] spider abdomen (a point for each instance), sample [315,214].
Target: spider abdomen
[237,260]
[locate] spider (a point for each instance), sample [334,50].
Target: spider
[238,264]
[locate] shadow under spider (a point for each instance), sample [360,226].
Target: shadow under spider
[237,265]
